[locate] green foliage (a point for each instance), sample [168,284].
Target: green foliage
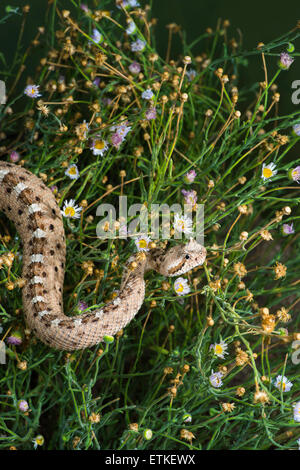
[159,368]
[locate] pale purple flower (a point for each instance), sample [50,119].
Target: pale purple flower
[131,28]
[288,229]
[191,74]
[84,7]
[297,412]
[82,305]
[296,129]
[116,139]
[23,405]
[119,133]
[134,68]
[138,45]
[14,156]
[54,189]
[190,197]
[123,231]
[151,113]
[190,176]
[32,91]
[121,129]
[285,61]
[15,338]
[96,82]
[216,379]
[147,94]
[187,418]
[107,101]
[294,174]
[129,3]
[96,36]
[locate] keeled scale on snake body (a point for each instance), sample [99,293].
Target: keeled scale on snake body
[27,201]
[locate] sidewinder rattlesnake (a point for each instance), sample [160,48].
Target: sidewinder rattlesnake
[31,205]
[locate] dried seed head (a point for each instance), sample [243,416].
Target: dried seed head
[240,391]
[260,396]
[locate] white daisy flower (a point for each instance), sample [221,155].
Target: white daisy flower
[38,441]
[216,379]
[181,286]
[219,349]
[99,146]
[142,243]
[297,412]
[183,223]
[72,172]
[32,91]
[268,171]
[282,383]
[71,210]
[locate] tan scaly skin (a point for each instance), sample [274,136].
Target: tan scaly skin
[26,200]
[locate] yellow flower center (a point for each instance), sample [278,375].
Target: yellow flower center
[218,349]
[142,244]
[99,144]
[70,211]
[180,288]
[282,385]
[267,172]
[72,170]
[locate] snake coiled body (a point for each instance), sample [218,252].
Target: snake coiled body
[31,205]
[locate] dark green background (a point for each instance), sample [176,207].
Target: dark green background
[258,20]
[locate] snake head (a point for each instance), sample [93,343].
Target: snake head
[182,258]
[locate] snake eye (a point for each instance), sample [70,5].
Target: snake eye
[187,256]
